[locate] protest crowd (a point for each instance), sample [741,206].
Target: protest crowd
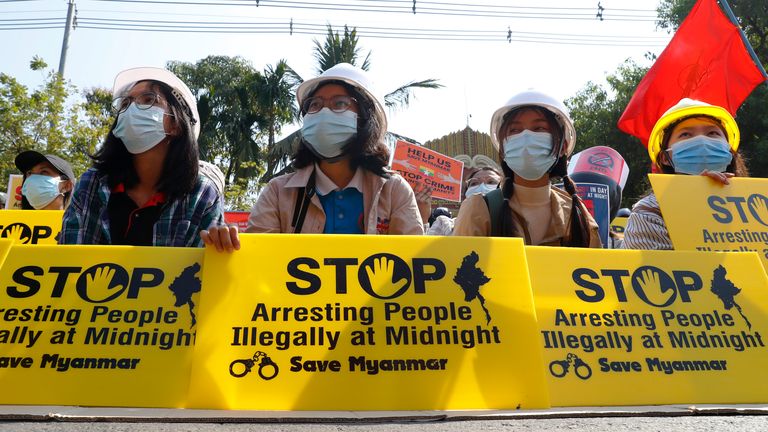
[148,187]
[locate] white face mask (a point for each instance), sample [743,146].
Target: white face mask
[480,189]
[529,154]
[139,129]
[40,190]
[327,132]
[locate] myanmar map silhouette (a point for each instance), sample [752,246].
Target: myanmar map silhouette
[470,278]
[184,286]
[726,291]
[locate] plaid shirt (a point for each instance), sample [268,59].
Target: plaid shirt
[86,220]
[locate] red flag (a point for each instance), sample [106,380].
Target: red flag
[706,60]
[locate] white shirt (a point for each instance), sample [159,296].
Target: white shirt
[324,185]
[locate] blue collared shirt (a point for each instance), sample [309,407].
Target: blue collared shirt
[343,207]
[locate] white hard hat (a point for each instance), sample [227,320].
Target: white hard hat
[539,99]
[126,79]
[349,74]
[692,108]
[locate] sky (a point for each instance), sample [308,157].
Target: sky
[557,46]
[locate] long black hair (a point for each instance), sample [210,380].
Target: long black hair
[367,149]
[180,168]
[579,232]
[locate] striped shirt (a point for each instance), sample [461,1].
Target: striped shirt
[86,220]
[646,228]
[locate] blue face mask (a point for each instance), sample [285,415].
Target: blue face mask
[326,132]
[140,129]
[40,190]
[529,154]
[694,155]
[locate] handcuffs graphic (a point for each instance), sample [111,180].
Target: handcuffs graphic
[259,358]
[559,368]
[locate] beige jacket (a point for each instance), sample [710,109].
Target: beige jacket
[389,206]
[474,219]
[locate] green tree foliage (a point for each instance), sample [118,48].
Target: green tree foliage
[596,110]
[228,109]
[241,112]
[276,94]
[752,117]
[344,49]
[49,119]
[752,17]
[335,49]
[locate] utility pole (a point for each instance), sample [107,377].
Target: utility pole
[65,42]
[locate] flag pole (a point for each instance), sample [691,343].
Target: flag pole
[732,17]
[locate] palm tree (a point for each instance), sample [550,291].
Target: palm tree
[228,110]
[275,93]
[337,50]
[334,50]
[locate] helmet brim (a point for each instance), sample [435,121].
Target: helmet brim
[308,87]
[569,133]
[127,78]
[718,113]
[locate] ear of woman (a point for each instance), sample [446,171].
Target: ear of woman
[66,186]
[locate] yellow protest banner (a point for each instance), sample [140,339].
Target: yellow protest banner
[618,224]
[651,327]
[704,215]
[317,322]
[98,325]
[13,196]
[31,226]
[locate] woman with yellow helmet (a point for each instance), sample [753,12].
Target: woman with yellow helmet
[693,138]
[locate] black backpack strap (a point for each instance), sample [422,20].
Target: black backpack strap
[495,202]
[303,198]
[297,207]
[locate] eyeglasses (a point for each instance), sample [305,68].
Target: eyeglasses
[143,101]
[337,104]
[478,182]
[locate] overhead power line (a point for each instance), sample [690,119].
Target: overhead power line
[324,27]
[240,24]
[446,9]
[32,23]
[86,21]
[306,28]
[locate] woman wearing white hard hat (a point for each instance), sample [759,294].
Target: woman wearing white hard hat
[341,184]
[145,188]
[534,135]
[693,138]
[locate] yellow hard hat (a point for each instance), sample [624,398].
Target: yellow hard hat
[692,108]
